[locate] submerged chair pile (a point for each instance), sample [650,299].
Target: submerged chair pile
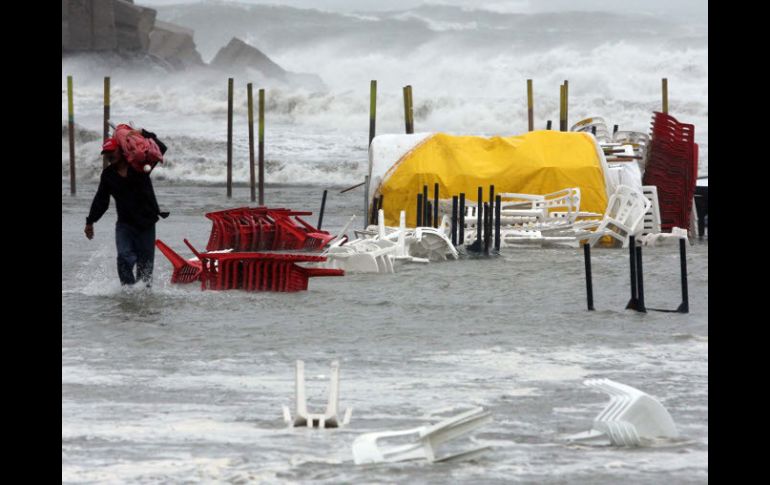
[381,249]
[242,252]
[527,219]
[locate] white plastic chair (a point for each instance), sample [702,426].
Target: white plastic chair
[602,133]
[367,449]
[631,418]
[624,216]
[329,418]
[652,216]
[562,205]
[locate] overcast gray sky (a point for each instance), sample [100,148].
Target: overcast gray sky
[682,10]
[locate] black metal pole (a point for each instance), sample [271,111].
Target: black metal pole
[498,203]
[632,303]
[379,207]
[454,220]
[425,205]
[429,214]
[435,205]
[491,199]
[321,213]
[684,307]
[548,125]
[479,214]
[589,282]
[418,223]
[640,278]
[461,210]
[487,227]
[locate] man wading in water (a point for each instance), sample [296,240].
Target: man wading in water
[137,208]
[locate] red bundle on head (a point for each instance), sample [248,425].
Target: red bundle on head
[140,152]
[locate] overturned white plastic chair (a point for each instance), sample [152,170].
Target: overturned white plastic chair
[328,419]
[631,418]
[366,448]
[664,238]
[624,216]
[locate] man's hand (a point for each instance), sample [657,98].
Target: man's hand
[89,231]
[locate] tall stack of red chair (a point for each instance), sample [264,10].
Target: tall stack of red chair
[673,168]
[262,228]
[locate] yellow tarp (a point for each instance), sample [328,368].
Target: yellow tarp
[538,162]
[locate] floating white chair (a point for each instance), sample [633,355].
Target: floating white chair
[631,418]
[329,419]
[366,448]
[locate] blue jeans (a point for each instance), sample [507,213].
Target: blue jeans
[135,248]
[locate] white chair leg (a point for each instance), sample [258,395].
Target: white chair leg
[301,398]
[334,390]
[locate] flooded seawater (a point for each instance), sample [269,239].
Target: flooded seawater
[179,385]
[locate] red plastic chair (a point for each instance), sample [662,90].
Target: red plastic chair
[185,270]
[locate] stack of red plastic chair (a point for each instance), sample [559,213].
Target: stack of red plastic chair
[235,256]
[262,228]
[258,271]
[673,168]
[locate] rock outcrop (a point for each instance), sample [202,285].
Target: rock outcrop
[238,55]
[119,32]
[175,44]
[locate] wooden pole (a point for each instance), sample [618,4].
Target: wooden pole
[106,127]
[71,127]
[229,138]
[530,106]
[566,105]
[664,88]
[410,127]
[372,119]
[252,174]
[261,147]
[372,109]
